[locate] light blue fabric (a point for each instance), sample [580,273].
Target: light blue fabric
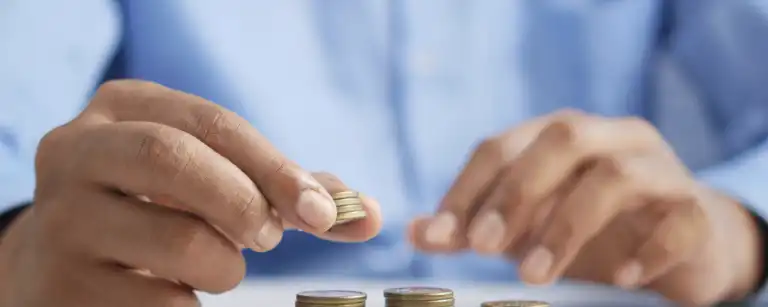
[411,85]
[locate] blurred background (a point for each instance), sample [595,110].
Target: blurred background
[393,95]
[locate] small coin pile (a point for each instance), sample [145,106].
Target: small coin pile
[515,304]
[349,207]
[418,297]
[398,297]
[330,298]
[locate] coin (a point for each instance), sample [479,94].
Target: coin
[348,201]
[349,207]
[419,296]
[348,217]
[345,194]
[328,298]
[513,303]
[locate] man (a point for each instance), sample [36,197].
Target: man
[653,180]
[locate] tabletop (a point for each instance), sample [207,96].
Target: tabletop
[282,292]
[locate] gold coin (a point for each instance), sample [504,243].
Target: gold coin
[351,215]
[350,208]
[345,194]
[420,303]
[418,294]
[330,298]
[348,217]
[348,201]
[513,303]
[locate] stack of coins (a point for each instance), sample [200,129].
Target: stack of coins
[513,303]
[418,297]
[330,298]
[349,207]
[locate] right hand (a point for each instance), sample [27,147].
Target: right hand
[148,195]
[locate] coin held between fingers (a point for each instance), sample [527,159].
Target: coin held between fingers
[349,207]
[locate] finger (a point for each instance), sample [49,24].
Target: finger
[116,287]
[169,243]
[356,231]
[417,234]
[551,161]
[487,231]
[610,186]
[677,238]
[289,189]
[528,240]
[446,231]
[150,159]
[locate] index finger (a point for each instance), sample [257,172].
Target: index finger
[289,189]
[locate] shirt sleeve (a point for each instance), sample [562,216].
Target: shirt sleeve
[722,48]
[53,54]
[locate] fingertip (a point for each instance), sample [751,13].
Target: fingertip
[416,226]
[372,206]
[629,275]
[361,230]
[435,234]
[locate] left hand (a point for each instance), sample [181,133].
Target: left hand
[598,199]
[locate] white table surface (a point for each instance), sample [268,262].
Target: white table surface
[282,293]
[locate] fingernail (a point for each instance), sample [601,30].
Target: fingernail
[537,264]
[316,209]
[629,275]
[269,235]
[487,233]
[441,229]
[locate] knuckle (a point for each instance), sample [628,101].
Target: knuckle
[248,211]
[114,90]
[613,167]
[114,93]
[120,86]
[569,113]
[639,123]
[49,148]
[214,123]
[563,130]
[491,149]
[113,87]
[648,132]
[161,148]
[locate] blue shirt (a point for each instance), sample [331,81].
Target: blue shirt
[409,87]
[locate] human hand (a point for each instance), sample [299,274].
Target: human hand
[597,199]
[150,194]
